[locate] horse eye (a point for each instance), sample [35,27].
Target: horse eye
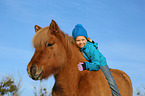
[49,45]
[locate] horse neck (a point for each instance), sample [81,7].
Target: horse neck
[67,79]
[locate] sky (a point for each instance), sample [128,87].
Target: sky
[118,26]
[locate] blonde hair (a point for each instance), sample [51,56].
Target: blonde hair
[89,39]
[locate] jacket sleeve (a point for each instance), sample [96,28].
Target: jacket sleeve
[96,60]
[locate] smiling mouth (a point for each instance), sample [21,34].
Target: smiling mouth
[81,46]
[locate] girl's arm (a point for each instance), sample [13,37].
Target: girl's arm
[97,60]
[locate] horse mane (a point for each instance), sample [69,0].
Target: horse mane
[69,40]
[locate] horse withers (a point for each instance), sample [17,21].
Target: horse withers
[56,54]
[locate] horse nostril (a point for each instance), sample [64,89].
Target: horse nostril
[33,70]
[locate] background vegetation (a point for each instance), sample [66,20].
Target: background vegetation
[9,87]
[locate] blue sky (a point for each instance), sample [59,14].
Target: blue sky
[117,25]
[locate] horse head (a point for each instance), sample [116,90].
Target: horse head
[50,52]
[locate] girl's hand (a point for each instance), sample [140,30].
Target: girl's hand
[80,66]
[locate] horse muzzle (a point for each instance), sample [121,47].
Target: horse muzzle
[34,72]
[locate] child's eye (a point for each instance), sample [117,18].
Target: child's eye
[77,40]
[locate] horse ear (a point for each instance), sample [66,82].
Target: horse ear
[54,28]
[37,28]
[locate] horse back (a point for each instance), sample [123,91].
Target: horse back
[94,83]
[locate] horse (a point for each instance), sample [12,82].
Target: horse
[56,54]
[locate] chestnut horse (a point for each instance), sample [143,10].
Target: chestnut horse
[56,54]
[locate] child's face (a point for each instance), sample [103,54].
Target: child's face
[81,41]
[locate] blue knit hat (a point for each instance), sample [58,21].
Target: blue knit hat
[79,30]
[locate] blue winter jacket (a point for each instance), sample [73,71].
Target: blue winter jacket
[93,56]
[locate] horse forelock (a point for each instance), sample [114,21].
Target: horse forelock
[40,37]
[43,34]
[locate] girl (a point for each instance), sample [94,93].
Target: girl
[94,57]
